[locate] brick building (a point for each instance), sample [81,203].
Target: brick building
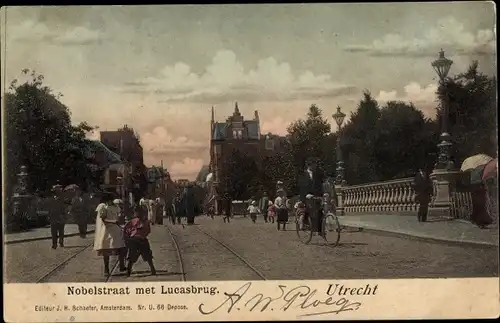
[240,134]
[125,142]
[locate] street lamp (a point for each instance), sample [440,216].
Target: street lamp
[442,66]
[339,117]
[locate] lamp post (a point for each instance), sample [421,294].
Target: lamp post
[443,175]
[442,66]
[339,117]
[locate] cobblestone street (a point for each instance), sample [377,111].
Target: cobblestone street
[241,250]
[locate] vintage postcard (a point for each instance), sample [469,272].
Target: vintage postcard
[250,162]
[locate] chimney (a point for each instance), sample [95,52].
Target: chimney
[256,115]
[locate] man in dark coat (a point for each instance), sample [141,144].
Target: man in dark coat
[423,192]
[311,186]
[263,205]
[188,202]
[227,203]
[58,212]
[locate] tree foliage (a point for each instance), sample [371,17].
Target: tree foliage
[239,175]
[41,136]
[471,99]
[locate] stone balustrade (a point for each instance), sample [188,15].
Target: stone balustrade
[394,196]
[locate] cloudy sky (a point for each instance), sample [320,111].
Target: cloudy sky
[160,69]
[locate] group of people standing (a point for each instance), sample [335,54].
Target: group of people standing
[61,209]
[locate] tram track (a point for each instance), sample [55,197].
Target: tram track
[231,250]
[63,263]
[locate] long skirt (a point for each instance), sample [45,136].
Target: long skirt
[139,247]
[282,215]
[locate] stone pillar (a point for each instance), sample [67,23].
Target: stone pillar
[444,184]
[339,189]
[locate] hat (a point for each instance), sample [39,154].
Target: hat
[279,183]
[254,202]
[270,203]
[117,201]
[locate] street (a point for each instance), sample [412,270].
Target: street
[241,250]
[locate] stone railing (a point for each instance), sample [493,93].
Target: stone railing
[396,196]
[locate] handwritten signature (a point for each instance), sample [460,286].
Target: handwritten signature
[302,297]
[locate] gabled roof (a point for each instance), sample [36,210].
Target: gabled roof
[96,145]
[252,127]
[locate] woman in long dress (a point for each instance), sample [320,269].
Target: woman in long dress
[109,240]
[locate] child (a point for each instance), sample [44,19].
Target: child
[300,214]
[271,212]
[136,233]
[253,210]
[328,204]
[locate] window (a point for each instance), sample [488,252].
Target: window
[235,134]
[240,134]
[269,143]
[113,174]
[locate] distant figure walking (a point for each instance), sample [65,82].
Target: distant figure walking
[423,194]
[480,215]
[253,210]
[80,211]
[271,212]
[281,209]
[263,205]
[227,207]
[108,239]
[58,211]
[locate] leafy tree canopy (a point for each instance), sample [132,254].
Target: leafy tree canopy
[41,136]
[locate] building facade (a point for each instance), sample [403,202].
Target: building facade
[238,133]
[126,143]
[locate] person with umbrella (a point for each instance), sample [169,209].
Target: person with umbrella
[57,216]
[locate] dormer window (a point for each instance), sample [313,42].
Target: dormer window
[269,143]
[240,134]
[235,134]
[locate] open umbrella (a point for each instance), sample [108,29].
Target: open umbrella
[490,170]
[475,161]
[71,187]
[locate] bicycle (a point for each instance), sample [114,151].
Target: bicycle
[330,227]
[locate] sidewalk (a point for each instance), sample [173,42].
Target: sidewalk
[42,234]
[454,231]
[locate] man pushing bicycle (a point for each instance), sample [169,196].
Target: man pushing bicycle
[311,193]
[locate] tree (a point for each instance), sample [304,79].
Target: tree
[278,167]
[307,139]
[471,99]
[403,140]
[357,142]
[239,175]
[41,137]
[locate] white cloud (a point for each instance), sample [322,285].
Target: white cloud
[449,34]
[187,168]
[423,97]
[33,31]
[276,126]
[225,79]
[159,141]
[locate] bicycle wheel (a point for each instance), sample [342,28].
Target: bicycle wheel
[331,229]
[305,235]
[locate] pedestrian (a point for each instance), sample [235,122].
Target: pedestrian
[227,208]
[480,215]
[263,205]
[271,211]
[423,192]
[160,207]
[136,238]
[281,209]
[58,211]
[80,211]
[108,239]
[151,206]
[253,210]
[189,204]
[300,214]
